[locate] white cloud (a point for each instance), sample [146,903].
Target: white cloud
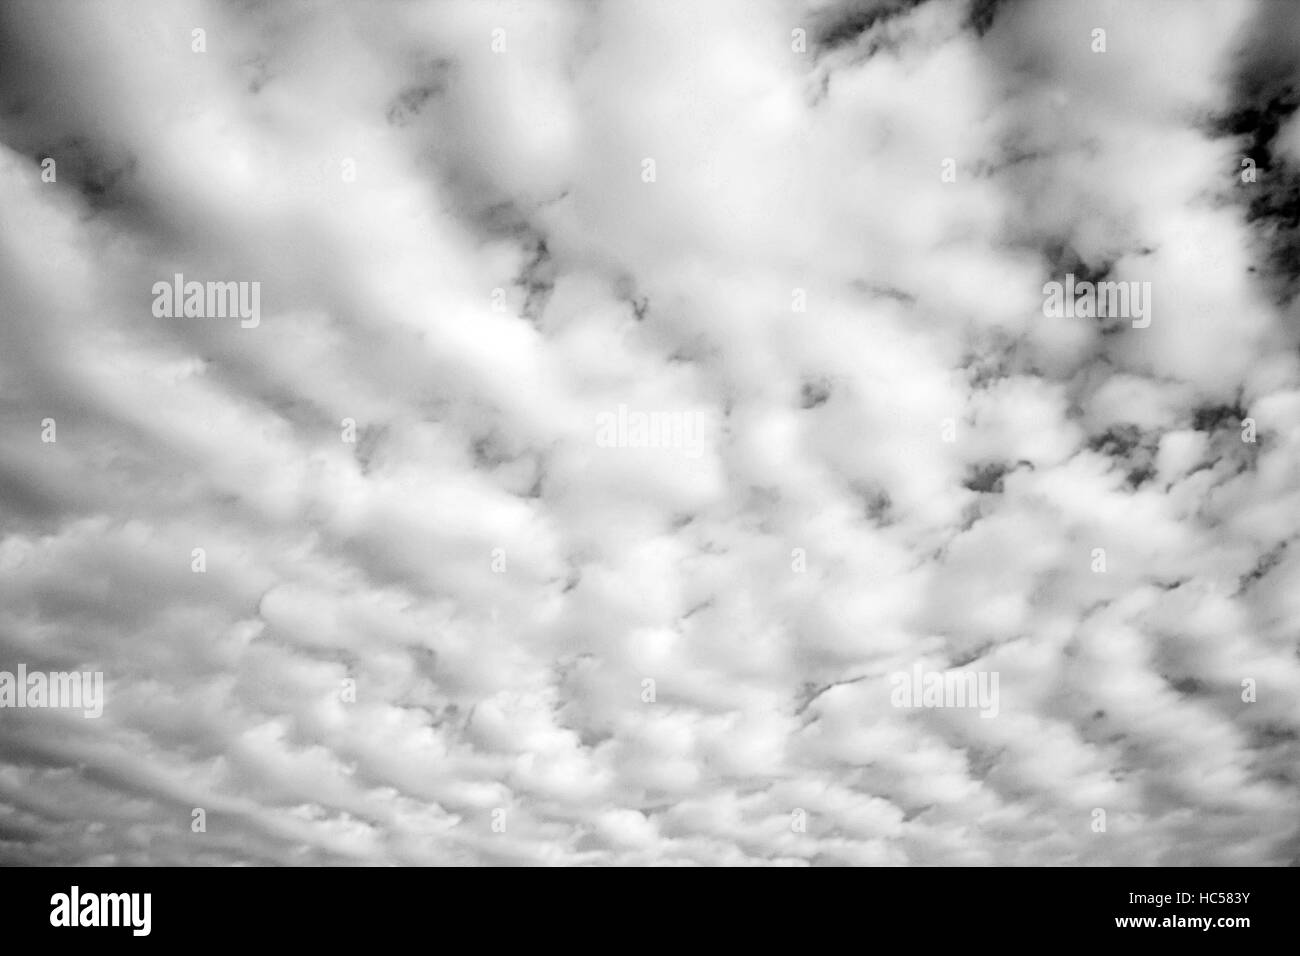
[917,467]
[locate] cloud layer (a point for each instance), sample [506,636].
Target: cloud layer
[442,621]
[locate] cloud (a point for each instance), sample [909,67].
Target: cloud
[443,618]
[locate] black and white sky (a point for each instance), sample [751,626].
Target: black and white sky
[452,606]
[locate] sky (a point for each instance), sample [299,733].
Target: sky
[639,392]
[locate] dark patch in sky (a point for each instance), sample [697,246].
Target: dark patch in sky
[1062,258]
[814,394]
[1264,98]
[1127,444]
[844,25]
[986,478]
[982,15]
[1210,418]
[1266,563]
[876,502]
[1186,685]
[407,104]
[538,281]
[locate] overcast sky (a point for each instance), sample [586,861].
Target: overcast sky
[814,238]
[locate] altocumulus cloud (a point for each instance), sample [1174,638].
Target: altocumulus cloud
[366,588]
